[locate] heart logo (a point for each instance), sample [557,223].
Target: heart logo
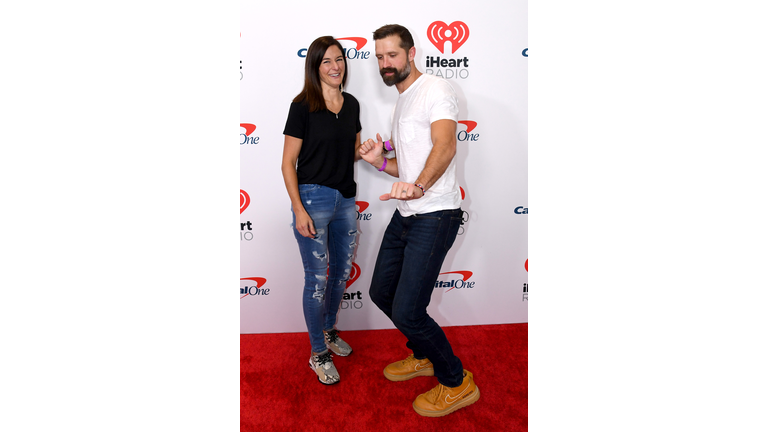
[354,273]
[245,200]
[439,32]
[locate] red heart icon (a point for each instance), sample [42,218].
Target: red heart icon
[354,273]
[439,32]
[245,200]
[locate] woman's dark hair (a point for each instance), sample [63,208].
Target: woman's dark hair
[312,94]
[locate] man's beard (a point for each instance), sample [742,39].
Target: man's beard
[398,77]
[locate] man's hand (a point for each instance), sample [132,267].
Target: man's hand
[403,191]
[370,151]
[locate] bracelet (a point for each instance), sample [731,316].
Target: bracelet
[420,187]
[387,146]
[384,165]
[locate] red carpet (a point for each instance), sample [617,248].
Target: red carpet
[279,392]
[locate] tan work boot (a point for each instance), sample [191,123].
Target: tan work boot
[409,368]
[443,400]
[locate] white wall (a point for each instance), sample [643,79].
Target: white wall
[492,158]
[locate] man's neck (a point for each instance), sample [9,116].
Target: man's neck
[403,85]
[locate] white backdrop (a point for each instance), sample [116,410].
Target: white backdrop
[485,274]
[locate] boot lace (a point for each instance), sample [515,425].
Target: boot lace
[434,395]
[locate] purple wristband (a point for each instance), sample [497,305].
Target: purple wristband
[387,146]
[384,165]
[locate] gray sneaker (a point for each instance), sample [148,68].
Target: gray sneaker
[323,366]
[337,344]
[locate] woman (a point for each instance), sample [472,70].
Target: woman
[322,141]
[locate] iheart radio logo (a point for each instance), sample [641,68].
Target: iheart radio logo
[245,200]
[354,273]
[439,33]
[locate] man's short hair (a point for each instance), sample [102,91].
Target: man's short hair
[406,40]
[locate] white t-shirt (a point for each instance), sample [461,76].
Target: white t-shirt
[427,100]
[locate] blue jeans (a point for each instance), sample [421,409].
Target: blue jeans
[412,251]
[327,258]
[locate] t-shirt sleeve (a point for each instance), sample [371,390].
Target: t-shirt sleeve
[443,102]
[296,123]
[359,126]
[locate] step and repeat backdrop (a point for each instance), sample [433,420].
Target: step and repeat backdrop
[481,48]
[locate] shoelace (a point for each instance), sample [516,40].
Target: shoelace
[332,336]
[322,359]
[434,394]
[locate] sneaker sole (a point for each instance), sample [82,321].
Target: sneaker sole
[423,372]
[459,405]
[312,368]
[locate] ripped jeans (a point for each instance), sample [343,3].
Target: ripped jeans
[327,258]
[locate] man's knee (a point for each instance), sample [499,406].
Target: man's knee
[376,297]
[405,321]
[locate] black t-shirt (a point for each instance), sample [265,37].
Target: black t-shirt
[328,148]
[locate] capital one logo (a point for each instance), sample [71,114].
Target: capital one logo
[439,33]
[246,138]
[350,53]
[466,135]
[361,206]
[456,283]
[245,200]
[253,290]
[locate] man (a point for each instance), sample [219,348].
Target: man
[425,224]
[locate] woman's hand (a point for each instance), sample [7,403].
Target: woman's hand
[304,224]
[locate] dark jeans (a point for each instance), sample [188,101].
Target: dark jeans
[412,251]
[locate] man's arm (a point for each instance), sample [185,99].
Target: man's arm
[443,151]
